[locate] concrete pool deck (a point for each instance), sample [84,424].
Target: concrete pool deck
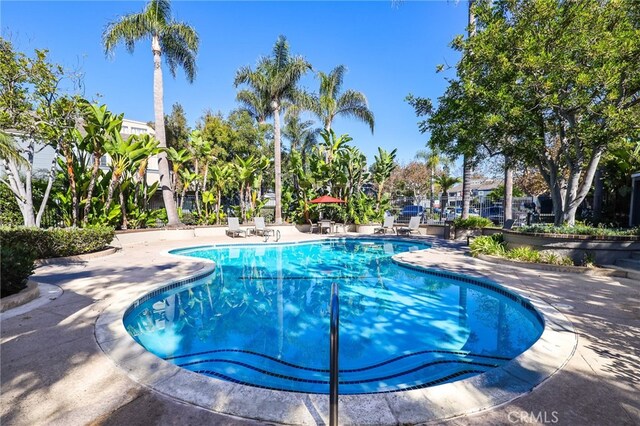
[55,372]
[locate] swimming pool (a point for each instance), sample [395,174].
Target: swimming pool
[261,319]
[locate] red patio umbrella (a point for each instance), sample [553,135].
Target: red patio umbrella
[326,199]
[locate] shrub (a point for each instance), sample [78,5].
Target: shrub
[580,229]
[16,264]
[492,245]
[57,242]
[472,222]
[526,254]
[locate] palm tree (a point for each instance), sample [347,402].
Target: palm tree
[256,103]
[330,103]
[445,182]
[179,44]
[381,171]
[275,78]
[432,160]
[301,134]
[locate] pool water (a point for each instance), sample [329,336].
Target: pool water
[262,319]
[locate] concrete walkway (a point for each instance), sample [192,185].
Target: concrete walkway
[54,372]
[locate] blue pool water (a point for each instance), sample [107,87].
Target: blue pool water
[262,319]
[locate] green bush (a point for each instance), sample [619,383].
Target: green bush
[57,242]
[472,222]
[525,254]
[580,229]
[16,264]
[492,245]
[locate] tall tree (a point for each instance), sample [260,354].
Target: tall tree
[301,134]
[331,102]
[178,42]
[176,127]
[276,78]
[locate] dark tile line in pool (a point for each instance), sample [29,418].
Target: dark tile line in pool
[353,370]
[343,382]
[489,286]
[421,386]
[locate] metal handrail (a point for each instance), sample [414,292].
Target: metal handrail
[333,354]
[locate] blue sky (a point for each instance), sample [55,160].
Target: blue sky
[390,51]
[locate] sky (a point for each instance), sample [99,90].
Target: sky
[391,49]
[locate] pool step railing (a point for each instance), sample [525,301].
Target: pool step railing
[334,339]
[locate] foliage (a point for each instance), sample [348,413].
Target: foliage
[553,84]
[177,128]
[331,103]
[57,242]
[492,245]
[472,222]
[580,229]
[497,194]
[17,262]
[9,210]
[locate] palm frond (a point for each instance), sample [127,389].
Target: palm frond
[159,11]
[177,53]
[185,32]
[257,104]
[337,76]
[354,104]
[281,52]
[128,29]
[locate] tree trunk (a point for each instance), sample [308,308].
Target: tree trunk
[278,164]
[163,162]
[68,157]
[466,186]
[92,184]
[123,208]
[508,190]
[112,187]
[47,192]
[598,192]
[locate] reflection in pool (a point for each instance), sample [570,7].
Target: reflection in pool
[262,319]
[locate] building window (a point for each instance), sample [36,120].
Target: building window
[103,161]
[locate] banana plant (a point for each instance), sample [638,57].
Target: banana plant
[220,175]
[125,156]
[99,126]
[381,170]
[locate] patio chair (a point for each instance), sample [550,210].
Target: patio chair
[260,228]
[414,226]
[312,226]
[508,224]
[386,226]
[234,229]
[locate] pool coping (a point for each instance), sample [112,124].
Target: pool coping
[496,387]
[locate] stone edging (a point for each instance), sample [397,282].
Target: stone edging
[79,258]
[602,238]
[601,272]
[519,376]
[25,295]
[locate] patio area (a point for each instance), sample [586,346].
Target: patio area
[55,372]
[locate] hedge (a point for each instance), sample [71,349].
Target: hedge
[472,222]
[57,242]
[21,246]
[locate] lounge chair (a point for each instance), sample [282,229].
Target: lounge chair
[234,229]
[414,225]
[260,228]
[386,226]
[508,224]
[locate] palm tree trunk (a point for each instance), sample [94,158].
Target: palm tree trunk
[278,165]
[163,163]
[466,171]
[92,184]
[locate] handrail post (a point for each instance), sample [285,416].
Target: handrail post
[333,354]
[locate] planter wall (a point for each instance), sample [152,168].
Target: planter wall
[463,234]
[601,250]
[367,229]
